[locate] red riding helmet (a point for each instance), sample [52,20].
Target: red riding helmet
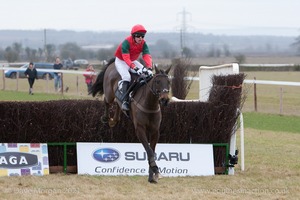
[138,29]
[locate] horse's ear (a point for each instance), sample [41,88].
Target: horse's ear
[159,71]
[168,70]
[156,69]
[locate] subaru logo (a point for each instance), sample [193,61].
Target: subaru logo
[106,155]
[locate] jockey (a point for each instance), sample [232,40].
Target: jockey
[127,54]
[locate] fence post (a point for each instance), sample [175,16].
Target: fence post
[62,84]
[47,82]
[65,145]
[3,78]
[77,84]
[280,101]
[255,97]
[17,81]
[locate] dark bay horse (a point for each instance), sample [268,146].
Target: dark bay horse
[144,111]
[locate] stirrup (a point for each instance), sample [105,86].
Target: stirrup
[125,106]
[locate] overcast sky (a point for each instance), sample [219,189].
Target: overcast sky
[272,17]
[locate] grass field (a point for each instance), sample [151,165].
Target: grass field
[272,171]
[268,96]
[271,122]
[272,161]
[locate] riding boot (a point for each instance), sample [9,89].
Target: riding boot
[125,104]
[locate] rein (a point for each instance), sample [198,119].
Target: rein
[153,91]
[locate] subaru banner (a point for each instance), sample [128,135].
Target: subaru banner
[131,159]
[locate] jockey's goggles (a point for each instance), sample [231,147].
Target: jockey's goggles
[139,35]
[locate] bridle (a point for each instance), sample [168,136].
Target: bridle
[153,88]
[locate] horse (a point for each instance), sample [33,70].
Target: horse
[145,111]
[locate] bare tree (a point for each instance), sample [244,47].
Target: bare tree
[240,58]
[31,54]
[296,44]
[17,47]
[10,55]
[50,49]
[71,50]
[40,51]
[180,86]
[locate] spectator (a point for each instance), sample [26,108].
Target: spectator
[57,75]
[31,75]
[90,77]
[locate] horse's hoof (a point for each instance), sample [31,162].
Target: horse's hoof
[112,123]
[104,120]
[155,178]
[160,176]
[153,181]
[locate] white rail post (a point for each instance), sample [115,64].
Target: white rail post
[205,84]
[242,142]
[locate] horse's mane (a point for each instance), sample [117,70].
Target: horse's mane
[160,71]
[98,85]
[110,62]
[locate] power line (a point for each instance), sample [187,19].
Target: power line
[183,28]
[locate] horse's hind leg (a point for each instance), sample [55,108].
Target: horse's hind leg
[113,121]
[105,116]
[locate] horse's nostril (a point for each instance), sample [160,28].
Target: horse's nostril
[164,101]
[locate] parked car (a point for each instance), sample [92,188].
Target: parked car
[68,63]
[80,62]
[40,67]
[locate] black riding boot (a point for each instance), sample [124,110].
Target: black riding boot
[125,104]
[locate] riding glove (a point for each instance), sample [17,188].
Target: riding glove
[149,72]
[144,70]
[139,71]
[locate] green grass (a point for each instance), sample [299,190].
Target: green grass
[24,96]
[272,122]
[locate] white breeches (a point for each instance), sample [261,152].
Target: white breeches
[123,69]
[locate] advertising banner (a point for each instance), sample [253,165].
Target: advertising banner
[131,159]
[18,159]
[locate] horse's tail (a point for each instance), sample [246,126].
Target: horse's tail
[98,85]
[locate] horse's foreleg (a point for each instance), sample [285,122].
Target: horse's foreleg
[153,169]
[154,174]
